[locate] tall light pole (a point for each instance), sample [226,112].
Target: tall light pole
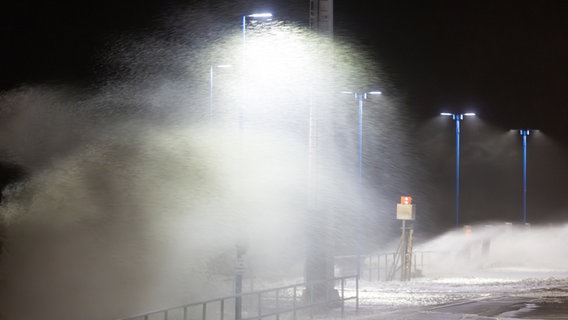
[457,117]
[241,247]
[360,96]
[524,133]
[267,16]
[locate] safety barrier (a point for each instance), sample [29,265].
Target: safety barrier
[383,266]
[296,300]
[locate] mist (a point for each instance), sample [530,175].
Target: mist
[498,250]
[139,187]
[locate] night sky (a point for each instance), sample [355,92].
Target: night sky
[504,60]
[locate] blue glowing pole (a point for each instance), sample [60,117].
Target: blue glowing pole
[457,118]
[244,23]
[524,134]
[360,134]
[360,96]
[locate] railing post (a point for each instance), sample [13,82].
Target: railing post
[238,297]
[357,295]
[311,299]
[259,305]
[294,303]
[277,305]
[370,267]
[342,297]
[305,302]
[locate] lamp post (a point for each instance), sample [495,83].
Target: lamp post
[360,96]
[457,117]
[267,16]
[240,251]
[263,15]
[524,133]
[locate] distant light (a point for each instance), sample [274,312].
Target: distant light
[363,93]
[224,66]
[260,15]
[525,131]
[457,114]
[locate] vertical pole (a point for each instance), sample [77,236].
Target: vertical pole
[343,297]
[239,275]
[210,92]
[524,133]
[319,263]
[403,252]
[457,118]
[238,297]
[356,296]
[360,133]
[360,97]
[241,110]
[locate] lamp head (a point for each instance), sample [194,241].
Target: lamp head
[260,15]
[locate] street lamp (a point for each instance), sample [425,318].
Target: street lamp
[266,16]
[360,96]
[524,133]
[457,117]
[240,252]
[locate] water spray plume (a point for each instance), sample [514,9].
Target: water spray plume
[137,193]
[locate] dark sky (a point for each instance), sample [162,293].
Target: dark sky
[505,60]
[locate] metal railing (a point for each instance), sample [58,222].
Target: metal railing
[383,266]
[269,303]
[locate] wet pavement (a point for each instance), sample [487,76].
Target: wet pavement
[529,299]
[538,306]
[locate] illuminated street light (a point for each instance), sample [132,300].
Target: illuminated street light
[266,16]
[457,117]
[360,96]
[240,252]
[524,133]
